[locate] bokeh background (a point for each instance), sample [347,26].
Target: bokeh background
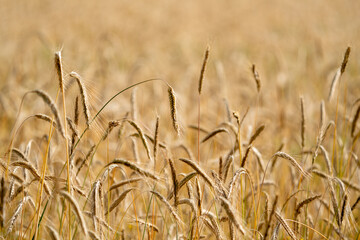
[296,44]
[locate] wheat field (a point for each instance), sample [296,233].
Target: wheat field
[179,120]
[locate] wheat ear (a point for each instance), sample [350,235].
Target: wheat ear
[354,121]
[53,233]
[292,161]
[90,152]
[256,134]
[122,183]
[167,204]
[202,72]
[17,213]
[48,101]
[285,226]
[339,72]
[213,133]
[173,110]
[355,204]
[76,207]
[84,97]
[232,215]
[156,136]
[3,191]
[142,137]
[198,169]
[175,182]
[268,221]
[134,167]
[305,202]
[118,200]
[180,184]
[302,123]
[256,78]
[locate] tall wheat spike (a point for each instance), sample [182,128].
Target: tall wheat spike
[202,72]
[84,97]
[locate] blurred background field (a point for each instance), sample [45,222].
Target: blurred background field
[296,44]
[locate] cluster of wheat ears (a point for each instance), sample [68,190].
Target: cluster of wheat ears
[168,192]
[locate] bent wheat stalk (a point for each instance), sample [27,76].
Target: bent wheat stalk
[76,207]
[134,167]
[199,170]
[293,162]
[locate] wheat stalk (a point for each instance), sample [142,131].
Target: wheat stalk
[156,136]
[59,70]
[142,137]
[345,60]
[302,123]
[268,221]
[228,112]
[327,160]
[147,225]
[118,200]
[198,197]
[72,127]
[134,167]
[122,125]
[237,174]
[214,228]
[84,97]
[180,184]
[285,226]
[339,72]
[53,233]
[17,213]
[167,204]
[275,234]
[173,111]
[188,151]
[3,190]
[76,111]
[202,72]
[133,104]
[343,209]
[232,215]
[334,201]
[96,201]
[90,152]
[256,134]
[292,161]
[303,203]
[227,164]
[48,101]
[45,118]
[354,121]
[243,161]
[217,230]
[219,187]
[189,202]
[93,235]
[122,183]
[134,150]
[213,133]
[76,207]
[199,170]
[258,158]
[18,153]
[175,182]
[355,204]
[256,78]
